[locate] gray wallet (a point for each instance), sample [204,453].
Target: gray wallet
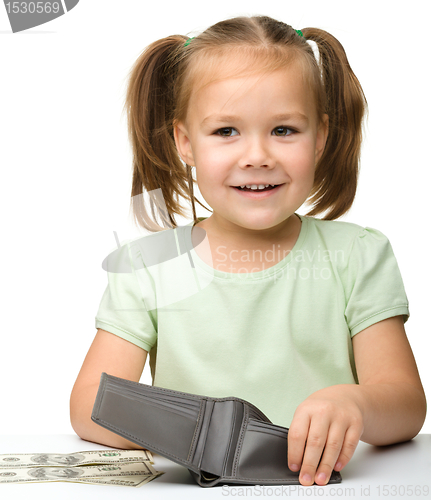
[219,440]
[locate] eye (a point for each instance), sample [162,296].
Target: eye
[283,131]
[225,131]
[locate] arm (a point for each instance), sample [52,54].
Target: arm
[388,405]
[116,356]
[390,390]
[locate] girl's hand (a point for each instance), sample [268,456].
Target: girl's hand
[330,421]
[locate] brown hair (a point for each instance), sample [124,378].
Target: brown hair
[165,75]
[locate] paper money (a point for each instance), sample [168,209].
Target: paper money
[74,459]
[130,474]
[135,481]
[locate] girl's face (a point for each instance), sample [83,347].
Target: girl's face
[259,129]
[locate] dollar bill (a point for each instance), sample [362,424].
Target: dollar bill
[74,459]
[130,474]
[135,481]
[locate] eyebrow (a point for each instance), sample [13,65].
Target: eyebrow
[232,118]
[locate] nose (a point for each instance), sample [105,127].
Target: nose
[256,154]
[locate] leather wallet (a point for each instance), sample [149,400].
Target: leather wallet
[219,440]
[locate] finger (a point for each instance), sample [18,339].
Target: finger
[316,441]
[296,438]
[350,444]
[331,453]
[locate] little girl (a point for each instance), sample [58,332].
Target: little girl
[303,317]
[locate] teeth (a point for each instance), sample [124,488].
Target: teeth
[255,186]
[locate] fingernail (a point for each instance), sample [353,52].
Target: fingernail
[338,466]
[294,467]
[306,478]
[321,476]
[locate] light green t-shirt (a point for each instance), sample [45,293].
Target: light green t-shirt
[271,337]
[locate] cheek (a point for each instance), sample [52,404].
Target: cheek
[211,165]
[300,167]
[215,156]
[207,178]
[306,151]
[301,156]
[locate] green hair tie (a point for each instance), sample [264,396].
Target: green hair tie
[188,41]
[299,33]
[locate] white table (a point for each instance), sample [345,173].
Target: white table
[397,471]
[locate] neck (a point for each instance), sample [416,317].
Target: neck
[238,236]
[233,250]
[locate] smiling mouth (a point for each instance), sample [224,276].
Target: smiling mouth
[257,190]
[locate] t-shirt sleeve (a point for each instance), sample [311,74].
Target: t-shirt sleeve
[123,309]
[374,289]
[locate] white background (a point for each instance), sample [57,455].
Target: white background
[66,171]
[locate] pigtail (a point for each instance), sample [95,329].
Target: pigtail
[150,105]
[337,171]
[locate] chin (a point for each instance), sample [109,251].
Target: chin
[260,224]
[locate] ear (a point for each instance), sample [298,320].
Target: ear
[183,144]
[322,136]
